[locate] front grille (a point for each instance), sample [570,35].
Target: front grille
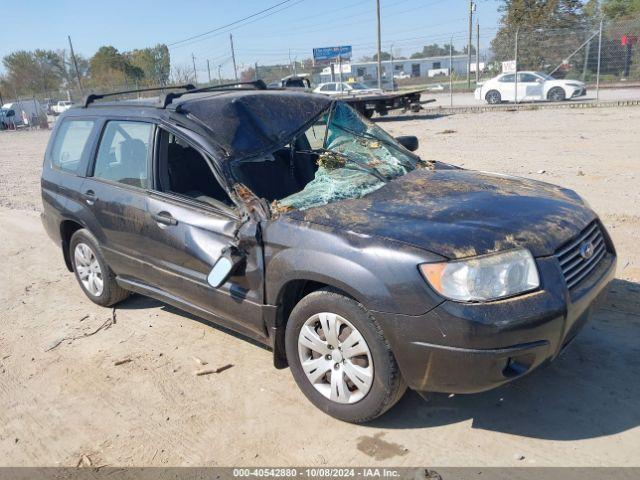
[574,265]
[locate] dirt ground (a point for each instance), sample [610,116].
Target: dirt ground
[60,400]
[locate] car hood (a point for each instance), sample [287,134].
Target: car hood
[461,213]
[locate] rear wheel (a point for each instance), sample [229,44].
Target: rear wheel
[493,97]
[95,277]
[556,94]
[340,359]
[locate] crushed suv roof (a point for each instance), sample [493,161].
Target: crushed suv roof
[248,122]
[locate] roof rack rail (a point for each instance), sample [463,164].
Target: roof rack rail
[169,97]
[92,97]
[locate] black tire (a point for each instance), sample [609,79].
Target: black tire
[557,94]
[493,97]
[112,293]
[368,113]
[387,387]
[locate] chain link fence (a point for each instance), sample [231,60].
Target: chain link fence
[603,54]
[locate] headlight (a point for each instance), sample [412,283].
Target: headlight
[483,278]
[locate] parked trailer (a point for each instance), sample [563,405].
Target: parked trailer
[382,103]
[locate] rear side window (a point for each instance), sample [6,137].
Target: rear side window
[70,142]
[123,153]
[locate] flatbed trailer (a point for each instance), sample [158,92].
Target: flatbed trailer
[382,103]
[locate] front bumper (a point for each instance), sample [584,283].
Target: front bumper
[472,347]
[579,92]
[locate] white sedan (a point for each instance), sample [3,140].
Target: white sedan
[345,88]
[532,86]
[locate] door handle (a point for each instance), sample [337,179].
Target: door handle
[165,218]
[90,197]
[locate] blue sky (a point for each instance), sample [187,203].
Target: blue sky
[299,25]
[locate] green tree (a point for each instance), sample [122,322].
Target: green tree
[383,56]
[110,68]
[621,8]
[434,50]
[154,62]
[32,72]
[548,31]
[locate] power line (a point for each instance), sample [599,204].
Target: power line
[295,2]
[229,24]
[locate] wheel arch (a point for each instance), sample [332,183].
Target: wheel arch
[67,229]
[288,297]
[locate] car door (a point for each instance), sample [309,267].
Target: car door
[115,193]
[507,87]
[529,87]
[192,220]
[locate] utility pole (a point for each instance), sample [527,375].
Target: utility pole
[379,46]
[472,7]
[233,57]
[477,52]
[451,72]
[75,64]
[516,74]
[195,73]
[393,72]
[219,75]
[209,71]
[599,58]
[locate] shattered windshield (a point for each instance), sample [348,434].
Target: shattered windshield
[352,157]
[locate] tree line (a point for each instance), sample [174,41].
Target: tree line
[45,73]
[549,31]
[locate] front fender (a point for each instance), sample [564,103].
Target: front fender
[379,273]
[344,274]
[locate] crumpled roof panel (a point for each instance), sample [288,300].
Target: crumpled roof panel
[250,122]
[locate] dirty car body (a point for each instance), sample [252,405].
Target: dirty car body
[310,196]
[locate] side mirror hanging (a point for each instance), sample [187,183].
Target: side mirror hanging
[410,142]
[226,264]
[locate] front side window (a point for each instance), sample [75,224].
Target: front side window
[124,152]
[185,172]
[329,87]
[527,78]
[71,140]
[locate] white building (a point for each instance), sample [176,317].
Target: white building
[413,67]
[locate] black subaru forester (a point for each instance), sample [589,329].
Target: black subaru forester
[293,220]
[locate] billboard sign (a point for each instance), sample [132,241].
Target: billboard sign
[326,55]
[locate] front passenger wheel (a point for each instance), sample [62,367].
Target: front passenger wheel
[95,277]
[340,359]
[556,94]
[493,97]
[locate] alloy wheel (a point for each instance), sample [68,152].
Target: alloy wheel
[493,98]
[88,268]
[335,358]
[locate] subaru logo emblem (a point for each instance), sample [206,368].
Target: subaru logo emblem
[586,250]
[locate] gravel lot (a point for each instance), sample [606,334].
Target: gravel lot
[59,404]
